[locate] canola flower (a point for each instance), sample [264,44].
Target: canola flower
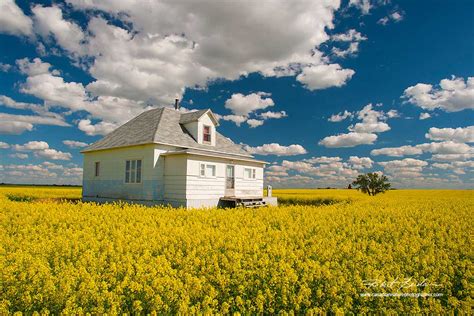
[79,258]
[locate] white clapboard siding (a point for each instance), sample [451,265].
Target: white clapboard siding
[175,177]
[248,187]
[111,180]
[198,187]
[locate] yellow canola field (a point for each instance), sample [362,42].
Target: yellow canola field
[78,258]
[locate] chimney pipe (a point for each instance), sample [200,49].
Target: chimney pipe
[176,104]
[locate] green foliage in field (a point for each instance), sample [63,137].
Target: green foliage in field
[20,198]
[88,258]
[371,183]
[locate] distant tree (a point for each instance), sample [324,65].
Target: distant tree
[371,183]
[349,186]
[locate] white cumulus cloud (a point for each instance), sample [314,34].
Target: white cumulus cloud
[452,95]
[272,115]
[444,148]
[360,162]
[75,144]
[397,151]
[101,128]
[158,48]
[13,20]
[32,146]
[53,154]
[154,59]
[352,37]
[19,156]
[395,17]
[324,76]
[351,139]
[237,119]
[461,135]
[241,104]
[424,116]
[49,21]
[42,149]
[15,128]
[253,123]
[372,121]
[323,159]
[276,149]
[452,157]
[340,116]
[363,5]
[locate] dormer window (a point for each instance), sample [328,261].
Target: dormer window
[201,126]
[206,135]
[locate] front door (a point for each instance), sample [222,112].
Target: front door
[230,180]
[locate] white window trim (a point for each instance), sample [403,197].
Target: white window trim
[253,173]
[206,175]
[207,142]
[125,169]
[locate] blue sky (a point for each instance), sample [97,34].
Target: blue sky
[323,91]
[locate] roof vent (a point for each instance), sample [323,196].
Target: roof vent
[176,104]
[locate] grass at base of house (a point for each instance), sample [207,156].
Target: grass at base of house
[313,197]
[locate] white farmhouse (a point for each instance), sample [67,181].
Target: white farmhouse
[164,156]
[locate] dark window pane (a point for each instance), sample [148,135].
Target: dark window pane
[139,171]
[127,171]
[207,134]
[132,171]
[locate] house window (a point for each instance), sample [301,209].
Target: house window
[206,135]
[211,170]
[207,170]
[97,168]
[133,171]
[249,173]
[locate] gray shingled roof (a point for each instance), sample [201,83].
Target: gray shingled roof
[163,125]
[191,116]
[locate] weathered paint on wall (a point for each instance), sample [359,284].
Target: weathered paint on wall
[111,180]
[175,178]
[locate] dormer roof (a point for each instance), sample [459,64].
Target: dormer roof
[196,115]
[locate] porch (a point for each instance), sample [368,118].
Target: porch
[249,202]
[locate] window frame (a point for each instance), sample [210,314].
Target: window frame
[133,171]
[252,175]
[204,134]
[97,169]
[213,172]
[204,167]
[202,170]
